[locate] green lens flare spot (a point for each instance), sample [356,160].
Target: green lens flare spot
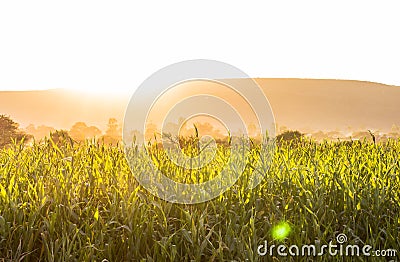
[281,231]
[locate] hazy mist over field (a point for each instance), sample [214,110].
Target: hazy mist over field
[307,105]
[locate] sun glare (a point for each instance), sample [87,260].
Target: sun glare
[281,231]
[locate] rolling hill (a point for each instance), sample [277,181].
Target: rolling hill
[304,104]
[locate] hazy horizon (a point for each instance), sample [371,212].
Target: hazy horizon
[307,105]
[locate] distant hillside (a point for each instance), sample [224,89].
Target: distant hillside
[305,104]
[311,104]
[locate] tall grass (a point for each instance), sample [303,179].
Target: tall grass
[70,202]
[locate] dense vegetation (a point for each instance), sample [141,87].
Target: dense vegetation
[76,202]
[10,132]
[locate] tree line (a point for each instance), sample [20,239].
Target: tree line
[11,132]
[80,131]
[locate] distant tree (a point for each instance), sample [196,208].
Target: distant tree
[283,129]
[39,132]
[92,131]
[253,130]
[113,132]
[393,135]
[334,135]
[319,136]
[9,131]
[113,129]
[61,137]
[395,128]
[31,129]
[80,131]
[151,131]
[77,131]
[289,135]
[361,135]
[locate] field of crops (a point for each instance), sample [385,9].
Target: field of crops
[80,202]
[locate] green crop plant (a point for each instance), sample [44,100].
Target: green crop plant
[80,202]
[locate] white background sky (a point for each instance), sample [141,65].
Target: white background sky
[115,45]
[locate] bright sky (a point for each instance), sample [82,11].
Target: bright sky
[114,45]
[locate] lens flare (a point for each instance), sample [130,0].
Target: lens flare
[281,231]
